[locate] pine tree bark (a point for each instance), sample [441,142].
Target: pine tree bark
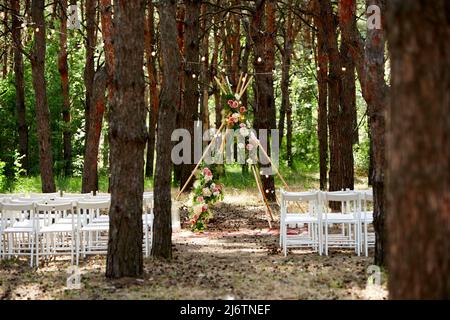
[154,92]
[205,25]
[89,69]
[322,125]
[171,66]
[347,25]
[19,84]
[96,111]
[375,92]
[63,69]
[262,33]
[418,166]
[128,136]
[334,88]
[189,111]
[42,110]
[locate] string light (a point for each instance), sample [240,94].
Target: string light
[194,76]
[318,68]
[37,29]
[203,58]
[344,69]
[259,60]
[153,53]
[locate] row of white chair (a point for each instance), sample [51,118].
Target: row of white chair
[49,225]
[352,221]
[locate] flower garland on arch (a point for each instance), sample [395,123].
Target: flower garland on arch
[206,191]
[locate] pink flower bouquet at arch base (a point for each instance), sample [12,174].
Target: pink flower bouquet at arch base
[205,193]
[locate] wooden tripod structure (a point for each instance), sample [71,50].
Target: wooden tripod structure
[242,86]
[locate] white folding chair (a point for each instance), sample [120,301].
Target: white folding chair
[366,220]
[147,222]
[349,219]
[56,235]
[92,227]
[309,217]
[18,229]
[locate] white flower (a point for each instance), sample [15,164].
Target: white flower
[213,185]
[243,131]
[241,145]
[198,209]
[196,184]
[236,115]
[215,194]
[208,178]
[249,161]
[206,192]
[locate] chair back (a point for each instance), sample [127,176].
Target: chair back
[50,213]
[12,212]
[90,210]
[311,199]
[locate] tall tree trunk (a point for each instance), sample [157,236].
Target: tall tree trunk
[264,63]
[204,78]
[96,111]
[191,72]
[418,166]
[334,89]
[322,125]
[63,69]
[19,83]
[40,90]
[215,62]
[89,69]
[162,237]
[370,68]
[180,17]
[347,25]
[152,76]
[128,136]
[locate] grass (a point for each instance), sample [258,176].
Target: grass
[303,179]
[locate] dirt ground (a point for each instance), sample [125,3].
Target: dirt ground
[238,258]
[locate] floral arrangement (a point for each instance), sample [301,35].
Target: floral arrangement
[205,193]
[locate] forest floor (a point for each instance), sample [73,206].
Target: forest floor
[238,258]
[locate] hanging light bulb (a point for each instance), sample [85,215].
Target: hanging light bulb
[194,76]
[153,53]
[203,59]
[37,29]
[344,69]
[318,68]
[310,56]
[259,60]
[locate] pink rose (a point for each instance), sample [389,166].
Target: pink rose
[207,172]
[200,199]
[204,208]
[242,125]
[235,104]
[230,103]
[242,110]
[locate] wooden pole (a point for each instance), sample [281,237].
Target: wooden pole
[273,165]
[261,191]
[201,160]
